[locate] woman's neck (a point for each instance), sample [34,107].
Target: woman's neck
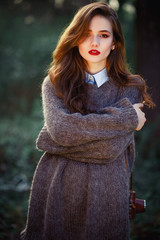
[94,68]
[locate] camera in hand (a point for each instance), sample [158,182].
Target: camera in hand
[135,205]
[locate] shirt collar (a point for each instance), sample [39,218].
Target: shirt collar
[100,77]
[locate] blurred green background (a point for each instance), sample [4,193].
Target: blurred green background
[29,31]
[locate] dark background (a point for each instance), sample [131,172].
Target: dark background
[29,31]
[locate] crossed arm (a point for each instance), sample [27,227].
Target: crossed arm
[77,135]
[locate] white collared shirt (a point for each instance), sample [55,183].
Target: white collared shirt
[100,77]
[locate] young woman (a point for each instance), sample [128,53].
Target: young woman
[92,106]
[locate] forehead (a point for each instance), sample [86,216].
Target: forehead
[100,23]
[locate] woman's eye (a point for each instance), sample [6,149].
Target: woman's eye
[104,35]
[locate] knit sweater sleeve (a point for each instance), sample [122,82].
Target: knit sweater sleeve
[73,129]
[101,152]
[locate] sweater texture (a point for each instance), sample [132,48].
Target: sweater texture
[80,187]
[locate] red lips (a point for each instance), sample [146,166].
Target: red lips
[94,52]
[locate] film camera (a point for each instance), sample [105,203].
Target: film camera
[135,205]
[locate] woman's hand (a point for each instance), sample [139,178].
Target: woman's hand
[141,115]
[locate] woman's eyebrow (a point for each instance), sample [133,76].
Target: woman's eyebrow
[89,30]
[105,31]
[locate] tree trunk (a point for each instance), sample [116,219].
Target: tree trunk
[148,49]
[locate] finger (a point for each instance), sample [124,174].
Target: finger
[140,105]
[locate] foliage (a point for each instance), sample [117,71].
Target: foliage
[18,161]
[26,45]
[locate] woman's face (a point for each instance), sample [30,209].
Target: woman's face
[97,45]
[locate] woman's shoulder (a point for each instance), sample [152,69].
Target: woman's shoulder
[49,95]
[46,81]
[47,85]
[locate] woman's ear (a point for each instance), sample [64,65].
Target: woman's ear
[113,47]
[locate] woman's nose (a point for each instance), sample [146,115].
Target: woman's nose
[95,41]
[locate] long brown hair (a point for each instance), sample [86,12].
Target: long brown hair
[67,68]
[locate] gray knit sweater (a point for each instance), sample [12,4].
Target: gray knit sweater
[80,187]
